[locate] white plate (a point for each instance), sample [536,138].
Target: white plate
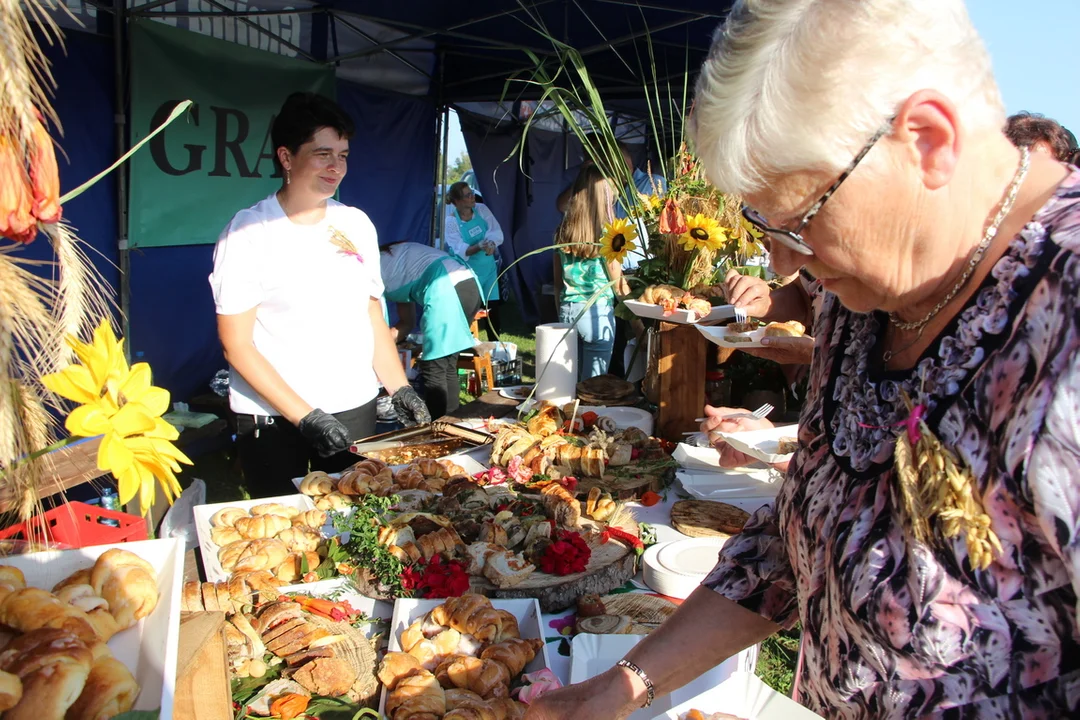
[762,444]
[726,485]
[527,612]
[148,650]
[209,549]
[591,655]
[516,392]
[677,568]
[681,316]
[719,335]
[744,696]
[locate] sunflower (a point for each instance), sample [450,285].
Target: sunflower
[618,239]
[751,229]
[703,232]
[119,403]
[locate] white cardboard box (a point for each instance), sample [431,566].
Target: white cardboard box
[527,612]
[745,696]
[149,649]
[209,549]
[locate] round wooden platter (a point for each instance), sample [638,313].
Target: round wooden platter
[610,566]
[707,518]
[626,483]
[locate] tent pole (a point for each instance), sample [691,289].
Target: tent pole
[433,226]
[120,124]
[443,171]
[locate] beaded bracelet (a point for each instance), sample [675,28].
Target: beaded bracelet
[644,678]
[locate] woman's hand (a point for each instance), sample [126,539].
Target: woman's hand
[784,350]
[725,419]
[748,293]
[604,697]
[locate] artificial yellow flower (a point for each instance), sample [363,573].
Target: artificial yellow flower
[120,404]
[703,232]
[618,239]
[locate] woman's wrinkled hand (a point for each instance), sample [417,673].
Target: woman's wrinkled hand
[730,420]
[596,699]
[748,293]
[784,350]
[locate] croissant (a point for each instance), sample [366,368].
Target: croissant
[110,690]
[333,501]
[11,578]
[227,516]
[410,478]
[79,577]
[292,568]
[10,690]
[697,306]
[514,653]
[396,666]
[225,534]
[479,711]
[470,614]
[412,635]
[300,539]
[443,668]
[128,583]
[316,483]
[432,468]
[486,678]
[230,554]
[29,609]
[416,696]
[310,518]
[369,465]
[286,511]
[95,607]
[507,709]
[261,526]
[426,653]
[53,666]
[261,555]
[446,642]
[509,627]
[459,697]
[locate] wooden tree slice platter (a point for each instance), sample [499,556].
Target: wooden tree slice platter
[707,518]
[626,484]
[646,612]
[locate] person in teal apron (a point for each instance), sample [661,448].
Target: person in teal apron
[448,292]
[473,233]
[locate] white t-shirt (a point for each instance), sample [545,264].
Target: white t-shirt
[312,298]
[406,262]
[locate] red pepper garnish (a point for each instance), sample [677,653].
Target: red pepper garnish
[619,534]
[649,498]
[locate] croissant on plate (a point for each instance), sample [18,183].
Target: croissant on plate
[432,468]
[514,653]
[369,465]
[509,627]
[333,501]
[11,578]
[110,689]
[300,539]
[274,508]
[224,535]
[416,697]
[95,607]
[396,666]
[317,483]
[291,569]
[470,614]
[29,609]
[10,690]
[53,666]
[128,583]
[486,678]
[262,555]
[310,518]
[261,526]
[226,517]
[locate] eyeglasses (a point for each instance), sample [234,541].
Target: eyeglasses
[793,239]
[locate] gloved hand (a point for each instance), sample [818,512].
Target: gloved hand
[409,407]
[325,432]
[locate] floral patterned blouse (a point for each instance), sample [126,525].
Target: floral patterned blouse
[898,629]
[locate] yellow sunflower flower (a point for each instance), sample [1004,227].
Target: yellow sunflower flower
[119,403]
[751,230]
[703,232]
[618,240]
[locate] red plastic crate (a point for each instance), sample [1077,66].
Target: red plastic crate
[77,525]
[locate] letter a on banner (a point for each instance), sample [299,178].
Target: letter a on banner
[205,167]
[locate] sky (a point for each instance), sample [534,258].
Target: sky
[1035,48]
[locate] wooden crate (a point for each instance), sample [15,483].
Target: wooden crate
[680,362]
[63,468]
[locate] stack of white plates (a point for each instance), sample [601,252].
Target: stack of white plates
[676,568]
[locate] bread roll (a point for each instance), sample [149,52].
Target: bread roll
[262,555]
[785,329]
[286,511]
[11,577]
[291,570]
[128,583]
[110,690]
[317,483]
[226,517]
[262,526]
[310,518]
[222,536]
[10,690]
[53,666]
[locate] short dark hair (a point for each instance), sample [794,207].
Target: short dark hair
[1025,129]
[301,116]
[457,191]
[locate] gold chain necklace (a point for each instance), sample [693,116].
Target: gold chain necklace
[976,258]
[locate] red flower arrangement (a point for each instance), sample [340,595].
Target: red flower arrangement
[436,578]
[568,554]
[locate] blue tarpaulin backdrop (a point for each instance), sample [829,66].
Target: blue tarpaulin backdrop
[172,319]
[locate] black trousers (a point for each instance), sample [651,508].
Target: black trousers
[273,452]
[441,387]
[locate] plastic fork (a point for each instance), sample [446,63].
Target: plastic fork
[763,411]
[740,315]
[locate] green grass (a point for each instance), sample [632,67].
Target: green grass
[777,659]
[517,331]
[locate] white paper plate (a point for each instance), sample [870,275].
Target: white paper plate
[149,649]
[745,696]
[677,568]
[516,392]
[719,335]
[762,444]
[726,485]
[527,612]
[681,316]
[591,655]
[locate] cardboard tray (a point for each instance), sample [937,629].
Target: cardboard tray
[209,549]
[742,695]
[681,316]
[149,649]
[527,612]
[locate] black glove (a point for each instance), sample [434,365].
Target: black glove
[409,407]
[325,432]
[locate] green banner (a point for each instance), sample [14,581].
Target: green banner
[191,179]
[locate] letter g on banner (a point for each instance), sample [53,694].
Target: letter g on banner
[158,150]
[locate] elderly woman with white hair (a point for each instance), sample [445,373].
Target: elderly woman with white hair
[866,138]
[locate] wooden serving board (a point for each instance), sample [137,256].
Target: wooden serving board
[627,486]
[707,518]
[203,691]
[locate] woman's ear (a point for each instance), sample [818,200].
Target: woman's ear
[929,124]
[284,157]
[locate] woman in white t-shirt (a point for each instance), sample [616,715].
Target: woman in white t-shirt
[297,287]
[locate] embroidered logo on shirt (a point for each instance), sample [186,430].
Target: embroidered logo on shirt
[344,244]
